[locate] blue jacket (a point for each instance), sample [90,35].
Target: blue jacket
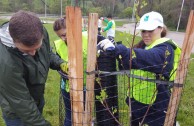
[151,60]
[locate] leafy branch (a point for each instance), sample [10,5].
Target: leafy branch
[102,98]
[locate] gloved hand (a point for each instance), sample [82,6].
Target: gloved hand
[101,18]
[105,45]
[64,67]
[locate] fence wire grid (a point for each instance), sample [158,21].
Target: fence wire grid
[123,97]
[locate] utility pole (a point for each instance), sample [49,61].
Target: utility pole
[61,9]
[133,13]
[180,15]
[45,8]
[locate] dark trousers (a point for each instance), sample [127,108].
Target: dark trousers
[67,102]
[154,117]
[157,111]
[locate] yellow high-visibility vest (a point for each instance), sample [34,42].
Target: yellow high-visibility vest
[144,91]
[62,51]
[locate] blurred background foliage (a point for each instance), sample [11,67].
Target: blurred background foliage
[170,9]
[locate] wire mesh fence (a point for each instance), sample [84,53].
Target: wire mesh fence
[127,97]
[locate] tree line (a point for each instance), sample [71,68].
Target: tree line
[170,9]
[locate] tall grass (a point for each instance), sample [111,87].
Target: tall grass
[51,109]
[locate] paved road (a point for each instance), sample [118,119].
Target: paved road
[178,37]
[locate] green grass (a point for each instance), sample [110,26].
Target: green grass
[51,112]
[125,38]
[186,108]
[2,21]
[118,23]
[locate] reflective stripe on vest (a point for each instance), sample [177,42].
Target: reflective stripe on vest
[144,91]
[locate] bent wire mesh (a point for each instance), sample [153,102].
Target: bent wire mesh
[127,97]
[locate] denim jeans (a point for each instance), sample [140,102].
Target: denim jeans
[17,121]
[67,102]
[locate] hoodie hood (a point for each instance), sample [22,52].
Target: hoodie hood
[5,37]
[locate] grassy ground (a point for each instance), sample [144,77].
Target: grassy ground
[51,111]
[186,108]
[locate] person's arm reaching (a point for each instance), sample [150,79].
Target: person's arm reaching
[152,60]
[108,26]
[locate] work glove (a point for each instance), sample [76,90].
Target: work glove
[64,67]
[105,45]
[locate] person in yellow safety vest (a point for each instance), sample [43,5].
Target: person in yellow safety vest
[156,57]
[110,28]
[59,27]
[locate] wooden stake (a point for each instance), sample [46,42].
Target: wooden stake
[75,62]
[91,63]
[181,71]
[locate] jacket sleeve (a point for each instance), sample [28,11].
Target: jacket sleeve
[152,60]
[123,55]
[108,26]
[106,21]
[16,96]
[55,60]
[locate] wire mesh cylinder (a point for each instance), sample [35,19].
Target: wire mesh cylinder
[105,115]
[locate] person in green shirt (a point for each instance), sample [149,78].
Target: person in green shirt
[110,28]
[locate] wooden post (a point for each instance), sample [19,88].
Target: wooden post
[75,62]
[91,63]
[181,71]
